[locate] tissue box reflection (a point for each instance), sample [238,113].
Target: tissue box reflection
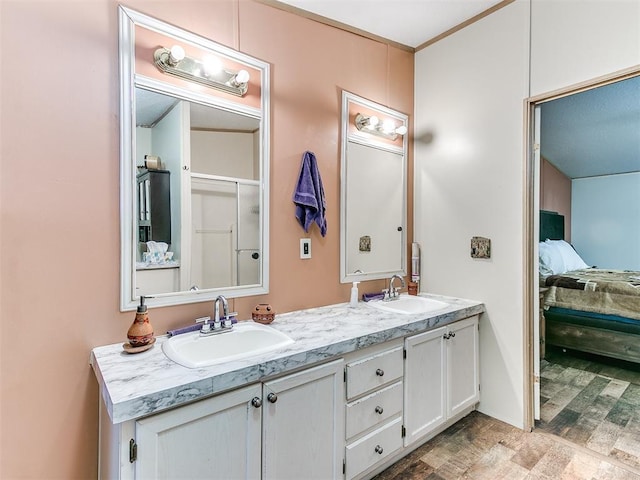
[157,258]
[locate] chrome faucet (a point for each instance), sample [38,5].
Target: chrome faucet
[392,293]
[216,311]
[219,325]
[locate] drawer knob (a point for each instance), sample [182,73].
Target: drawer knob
[379,409]
[379,449]
[272,397]
[256,402]
[380,372]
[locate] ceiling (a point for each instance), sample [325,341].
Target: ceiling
[593,133]
[151,107]
[407,22]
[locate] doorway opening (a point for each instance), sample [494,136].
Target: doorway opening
[583,231]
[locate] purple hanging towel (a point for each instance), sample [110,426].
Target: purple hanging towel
[309,195]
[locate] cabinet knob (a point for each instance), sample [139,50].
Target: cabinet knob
[380,372]
[378,449]
[272,397]
[453,334]
[379,409]
[256,402]
[445,336]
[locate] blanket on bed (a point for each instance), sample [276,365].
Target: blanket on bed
[613,292]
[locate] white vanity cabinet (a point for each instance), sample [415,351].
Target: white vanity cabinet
[218,437]
[303,424]
[373,413]
[287,428]
[346,419]
[441,376]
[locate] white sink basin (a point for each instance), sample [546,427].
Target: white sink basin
[193,350]
[409,304]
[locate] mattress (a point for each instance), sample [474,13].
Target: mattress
[605,292]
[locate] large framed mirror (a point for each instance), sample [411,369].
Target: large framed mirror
[194,163]
[373,190]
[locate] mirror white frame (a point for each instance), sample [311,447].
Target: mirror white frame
[129,80]
[353,136]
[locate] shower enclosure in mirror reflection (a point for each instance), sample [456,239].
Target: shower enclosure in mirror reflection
[373,190]
[194,172]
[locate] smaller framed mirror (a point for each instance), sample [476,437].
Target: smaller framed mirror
[373,190]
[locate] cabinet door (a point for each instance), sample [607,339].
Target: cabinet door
[303,424]
[462,365]
[216,438]
[424,387]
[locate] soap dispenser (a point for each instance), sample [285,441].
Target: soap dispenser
[354,295]
[140,333]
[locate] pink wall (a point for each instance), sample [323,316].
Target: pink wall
[59,271]
[555,194]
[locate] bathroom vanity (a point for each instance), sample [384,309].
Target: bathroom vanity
[357,390]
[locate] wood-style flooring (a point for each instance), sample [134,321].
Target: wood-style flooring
[590,430]
[592,402]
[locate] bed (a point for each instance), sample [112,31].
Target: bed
[586,308]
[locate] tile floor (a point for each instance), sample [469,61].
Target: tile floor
[592,402]
[590,430]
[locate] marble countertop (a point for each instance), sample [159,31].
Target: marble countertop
[133,386]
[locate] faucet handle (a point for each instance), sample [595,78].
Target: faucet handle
[205,323]
[227,322]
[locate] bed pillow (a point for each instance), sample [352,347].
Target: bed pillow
[550,260]
[570,257]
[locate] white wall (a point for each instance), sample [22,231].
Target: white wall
[231,154]
[470,151]
[469,173]
[606,220]
[576,41]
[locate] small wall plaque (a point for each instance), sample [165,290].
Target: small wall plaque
[365,243]
[480,247]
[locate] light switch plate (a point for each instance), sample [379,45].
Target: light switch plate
[305,248]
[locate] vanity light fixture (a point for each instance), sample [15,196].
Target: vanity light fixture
[386,129]
[206,72]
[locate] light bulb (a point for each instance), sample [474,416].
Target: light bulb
[242,77]
[211,65]
[373,121]
[401,130]
[388,126]
[176,54]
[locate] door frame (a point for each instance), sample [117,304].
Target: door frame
[531,224]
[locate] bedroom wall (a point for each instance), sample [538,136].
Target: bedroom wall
[607,226]
[555,194]
[469,142]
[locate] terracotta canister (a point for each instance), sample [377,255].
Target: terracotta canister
[263,313]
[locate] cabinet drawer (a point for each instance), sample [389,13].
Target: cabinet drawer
[373,409]
[373,372]
[373,448]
